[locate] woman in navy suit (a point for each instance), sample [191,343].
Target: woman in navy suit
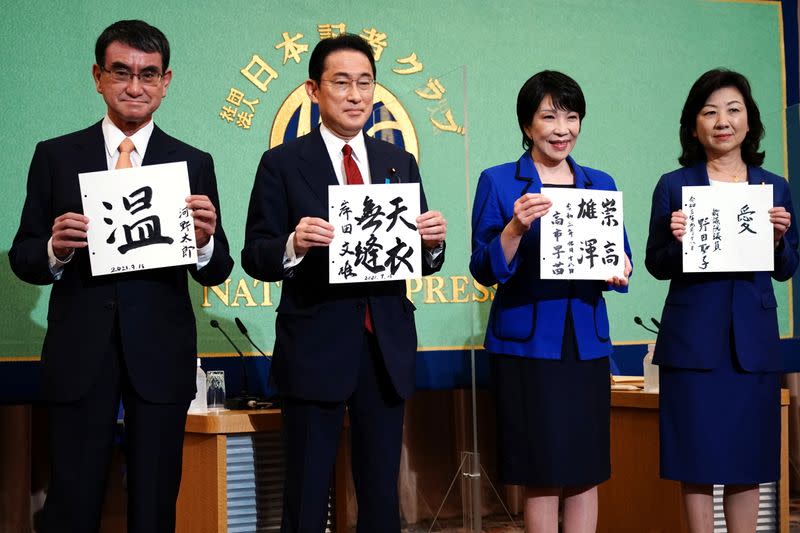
[549,339]
[718,346]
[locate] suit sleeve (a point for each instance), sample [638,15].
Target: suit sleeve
[786,257]
[220,265]
[28,253]
[488,263]
[663,255]
[267,229]
[428,268]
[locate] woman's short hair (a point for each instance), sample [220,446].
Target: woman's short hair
[565,93]
[718,78]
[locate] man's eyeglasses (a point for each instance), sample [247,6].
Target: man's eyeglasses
[123,75]
[342,85]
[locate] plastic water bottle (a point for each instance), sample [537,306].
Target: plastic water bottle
[198,405]
[650,370]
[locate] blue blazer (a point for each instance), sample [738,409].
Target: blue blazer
[319,330]
[528,314]
[701,309]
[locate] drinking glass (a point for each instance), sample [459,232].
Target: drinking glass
[215,385]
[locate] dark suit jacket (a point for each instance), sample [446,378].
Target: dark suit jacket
[156,321]
[701,309]
[319,329]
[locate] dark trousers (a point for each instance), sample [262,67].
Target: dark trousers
[81,443]
[312,431]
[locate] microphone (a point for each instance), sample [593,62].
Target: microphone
[657,323]
[215,324]
[393,175]
[639,322]
[244,400]
[243,329]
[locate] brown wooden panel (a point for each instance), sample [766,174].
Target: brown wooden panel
[635,499]
[234,421]
[202,500]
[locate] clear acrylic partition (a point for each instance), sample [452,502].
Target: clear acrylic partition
[781,144]
[443,483]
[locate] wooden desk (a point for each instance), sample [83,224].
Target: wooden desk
[635,499]
[203,498]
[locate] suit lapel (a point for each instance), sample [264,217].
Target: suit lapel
[90,150]
[380,165]
[758,176]
[160,149]
[755,176]
[696,175]
[315,166]
[163,149]
[582,181]
[527,175]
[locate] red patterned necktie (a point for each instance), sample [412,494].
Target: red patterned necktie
[350,167]
[354,178]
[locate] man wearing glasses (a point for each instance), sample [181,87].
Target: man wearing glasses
[337,346]
[128,336]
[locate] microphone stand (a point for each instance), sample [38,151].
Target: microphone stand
[245,400]
[639,322]
[243,331]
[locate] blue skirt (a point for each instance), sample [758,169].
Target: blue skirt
[720,426]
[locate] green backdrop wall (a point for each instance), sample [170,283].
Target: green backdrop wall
[635,61]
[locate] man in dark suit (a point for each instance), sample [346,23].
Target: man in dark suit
[336,346]
[131,335]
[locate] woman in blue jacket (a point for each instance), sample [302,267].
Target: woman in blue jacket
[549,339]
[718,345]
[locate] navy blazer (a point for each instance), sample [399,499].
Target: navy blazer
[700,309]
[528,313]
[156,320]
[320,326]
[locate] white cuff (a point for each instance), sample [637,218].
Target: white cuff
[290,258]
[204,254]
[56,265]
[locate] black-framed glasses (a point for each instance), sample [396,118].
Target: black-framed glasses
[123,75]
[342,85]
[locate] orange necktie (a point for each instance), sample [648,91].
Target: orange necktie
[354,178]
[125,149]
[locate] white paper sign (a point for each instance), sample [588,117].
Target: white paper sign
[728,228]
[138,218]
[582,235]
[375,232]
